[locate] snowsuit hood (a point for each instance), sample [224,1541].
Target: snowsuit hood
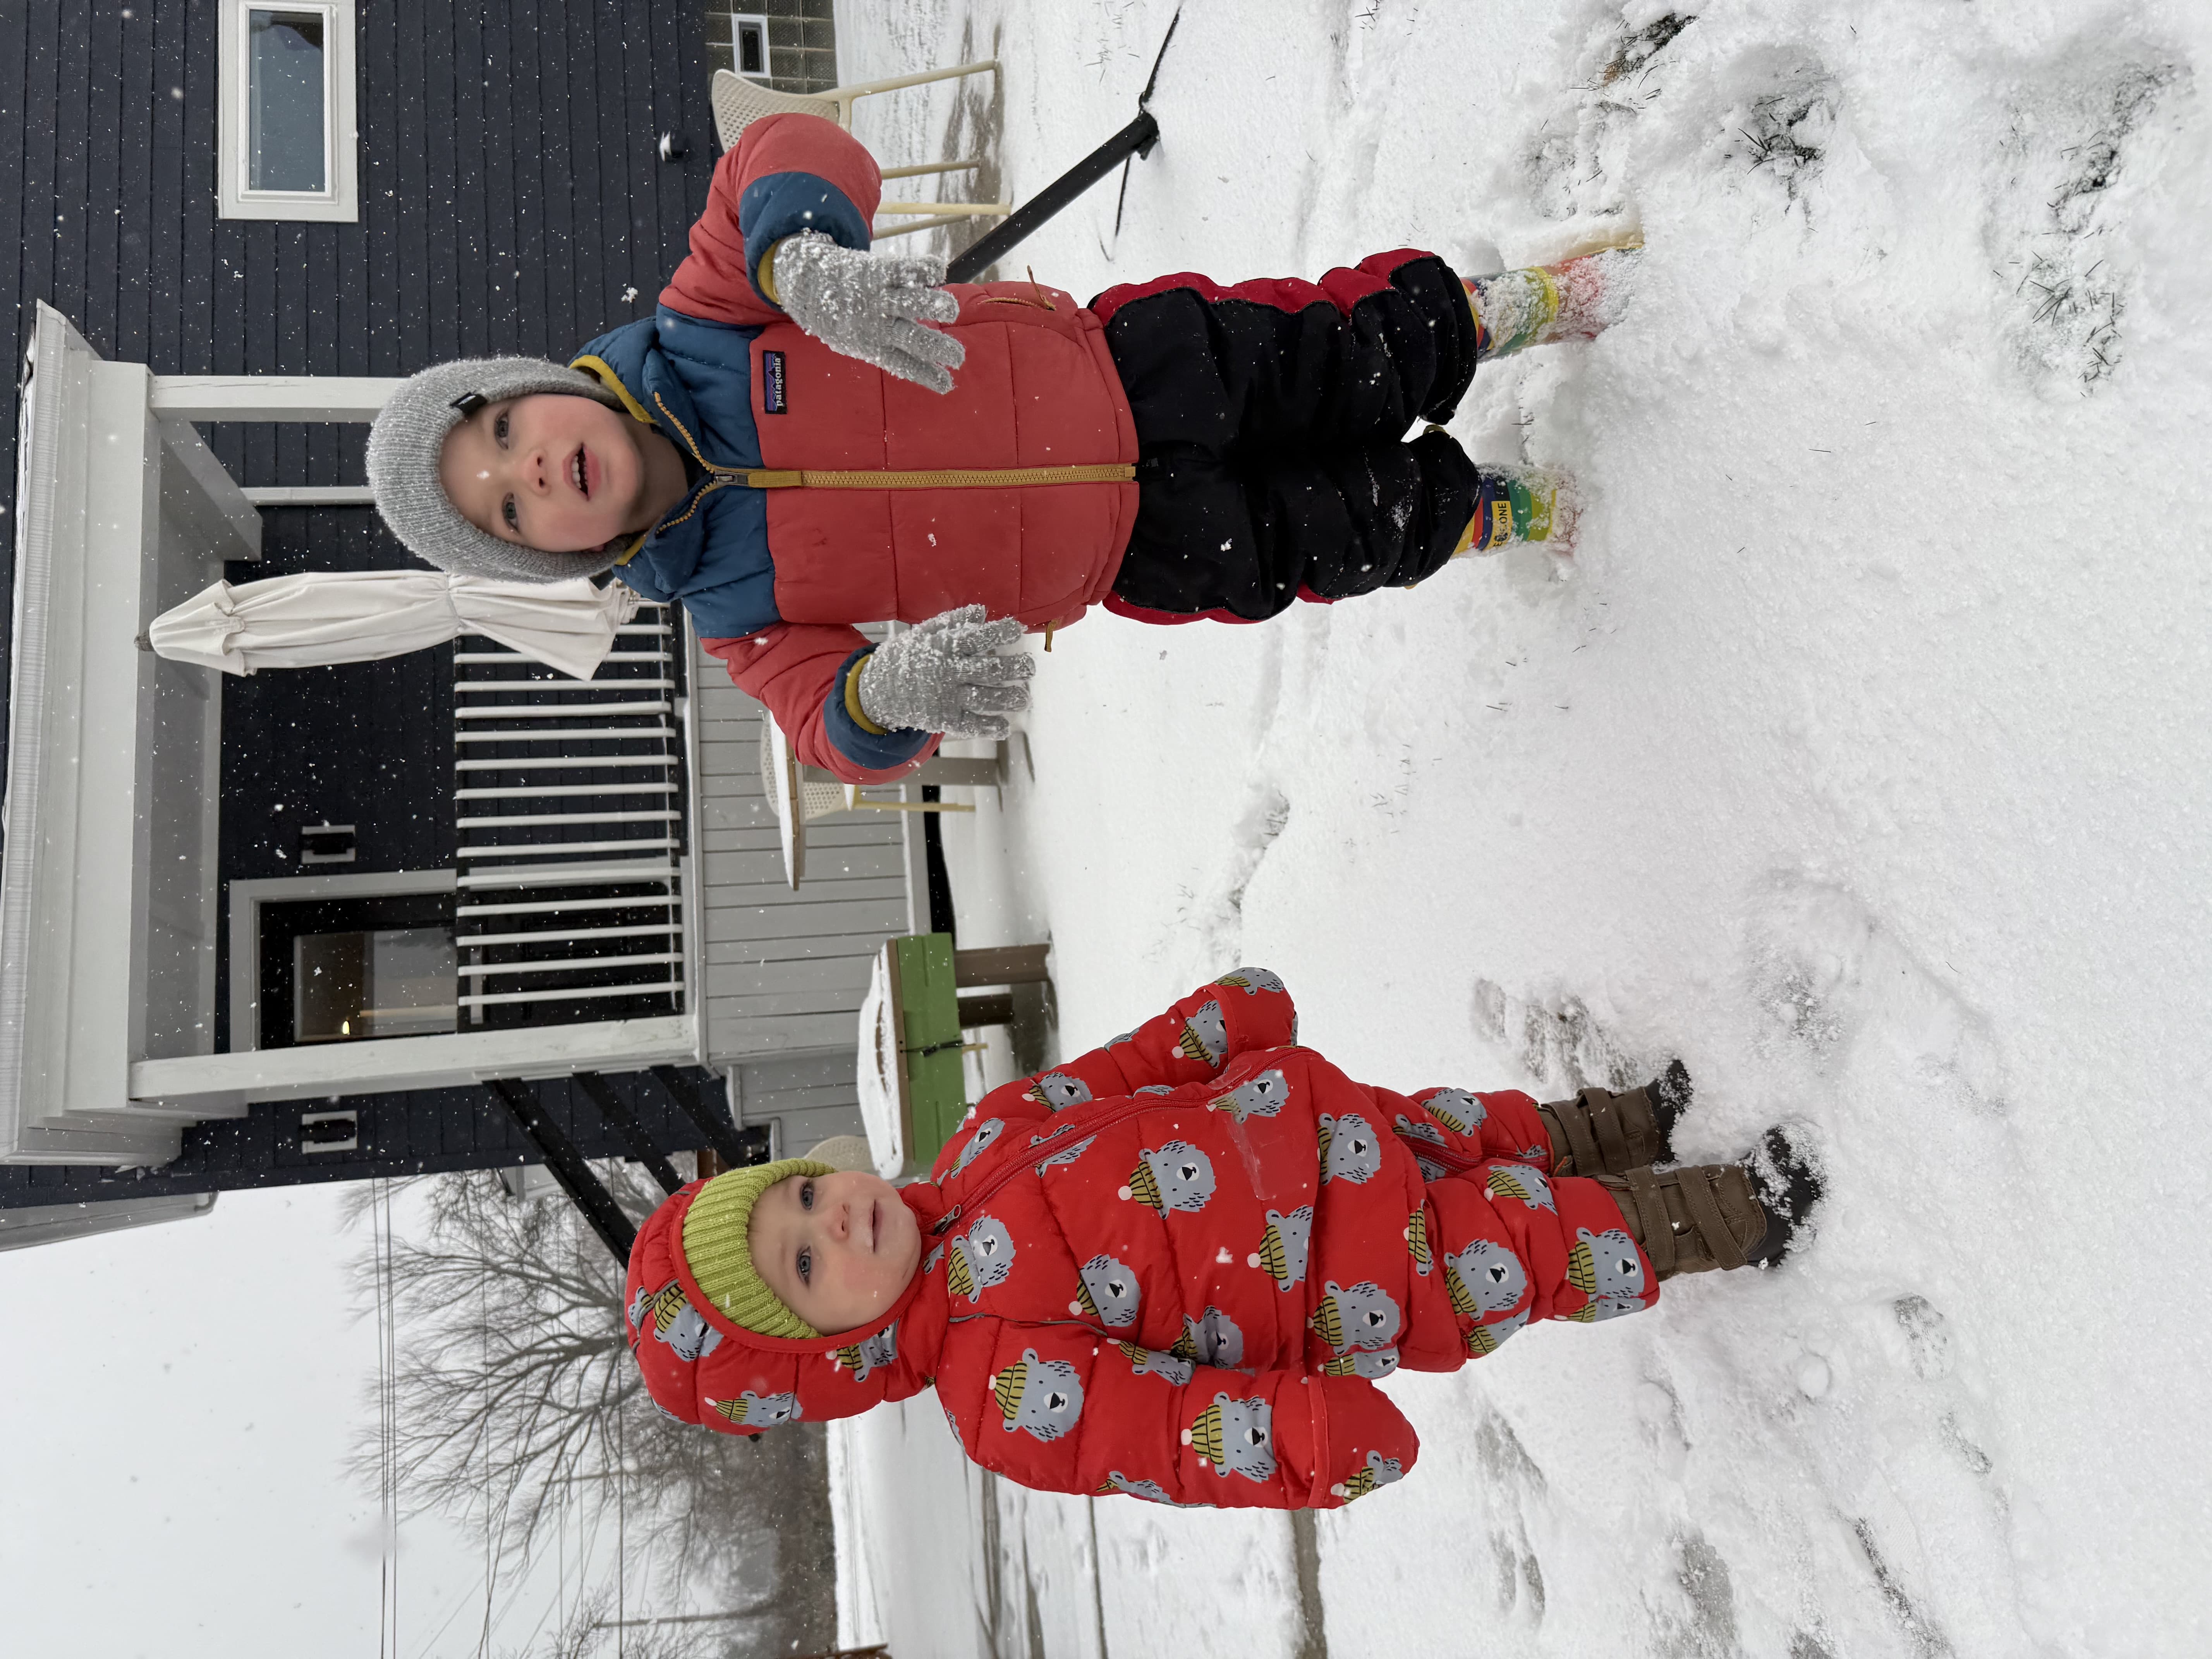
[701,1368]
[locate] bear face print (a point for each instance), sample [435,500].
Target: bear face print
[1151,1491]
[1067,1155]
[1350,1148]
[1409,1130]
[1380,1471]
[1361,1316]
[758,1411]
[1607,1307]
[1483,1339]
[1156,1088]
[1250,981]
[1041,1397]
[1521,1181]
[1109,1291]
[1485,1278]
[1606,1264]
[1056,1092]
[680,1325]
[1282,1250]
[982,1257]
[1212,1339]
[991,1130]
[1236,1436]
[870,1353]
[1361,1362]
[1175,1177]
[1458,1110]
[1205,1037]
[1169,1367]
[689,1336]
[1256,1096]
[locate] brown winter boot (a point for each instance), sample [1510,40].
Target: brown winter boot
[1703,1216]
[1599,1132]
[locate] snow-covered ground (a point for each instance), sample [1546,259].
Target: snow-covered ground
[1860,758]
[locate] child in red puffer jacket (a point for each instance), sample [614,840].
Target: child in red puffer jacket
[807,435]
[1176,1266]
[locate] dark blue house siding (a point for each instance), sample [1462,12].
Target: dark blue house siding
[512,200]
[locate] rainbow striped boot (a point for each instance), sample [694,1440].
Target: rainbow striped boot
[1573,299]
[1520,504]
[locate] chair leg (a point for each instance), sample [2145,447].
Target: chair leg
[934,167]
[945,209]
[908,230]
[844,97]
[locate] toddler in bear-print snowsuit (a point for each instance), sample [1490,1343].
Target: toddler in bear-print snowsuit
[1176,1267]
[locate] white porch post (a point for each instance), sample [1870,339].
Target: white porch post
[270,397]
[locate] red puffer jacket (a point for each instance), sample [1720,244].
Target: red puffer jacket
[884,500]
[1174,1267]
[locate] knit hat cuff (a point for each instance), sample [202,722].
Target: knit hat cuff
[720,1257]
[406,444]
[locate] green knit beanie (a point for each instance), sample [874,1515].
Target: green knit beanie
[721,1258]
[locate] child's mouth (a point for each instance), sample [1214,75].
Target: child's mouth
[580,472]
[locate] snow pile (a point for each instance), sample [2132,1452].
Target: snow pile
[1859,759]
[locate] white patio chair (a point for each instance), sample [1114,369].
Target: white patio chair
[738,103]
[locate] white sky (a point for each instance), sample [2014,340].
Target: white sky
[180,1400]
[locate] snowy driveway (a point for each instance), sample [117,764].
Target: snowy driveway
[1860,759]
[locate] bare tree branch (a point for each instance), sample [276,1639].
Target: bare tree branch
[518,1403]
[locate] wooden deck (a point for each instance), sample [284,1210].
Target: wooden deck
[784,972]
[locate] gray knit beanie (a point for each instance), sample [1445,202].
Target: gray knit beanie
[407,438]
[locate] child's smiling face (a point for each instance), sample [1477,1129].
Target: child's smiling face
[559,473]
[838,1248]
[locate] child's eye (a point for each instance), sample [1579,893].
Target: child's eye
[805,1195]
[499,429]
[806,1267]
[507,512]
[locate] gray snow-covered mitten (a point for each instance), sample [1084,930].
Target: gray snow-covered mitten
[946,675]
[871,306]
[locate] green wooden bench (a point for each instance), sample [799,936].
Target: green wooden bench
[914,1089]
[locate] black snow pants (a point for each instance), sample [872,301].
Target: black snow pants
[1271,420]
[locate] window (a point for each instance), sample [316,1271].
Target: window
[286,143]
[341,958]
[749,44]
[381,982]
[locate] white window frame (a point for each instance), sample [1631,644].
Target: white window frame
[768,48]
[246,898]
[341,200]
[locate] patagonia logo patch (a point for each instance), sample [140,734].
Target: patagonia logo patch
[772,392]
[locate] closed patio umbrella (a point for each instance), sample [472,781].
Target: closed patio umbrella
[355,616]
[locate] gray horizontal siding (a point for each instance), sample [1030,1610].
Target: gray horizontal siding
[784,971]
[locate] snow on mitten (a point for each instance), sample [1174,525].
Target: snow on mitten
[946,675]
[871,306]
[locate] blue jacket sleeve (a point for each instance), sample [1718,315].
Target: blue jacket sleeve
[786,173]
[870,750]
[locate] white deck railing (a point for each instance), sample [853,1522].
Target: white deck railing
[594,802]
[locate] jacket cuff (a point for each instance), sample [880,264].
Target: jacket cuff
[871,750]
[781,204]
[852,704]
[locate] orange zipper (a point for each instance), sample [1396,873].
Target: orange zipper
[942,478]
